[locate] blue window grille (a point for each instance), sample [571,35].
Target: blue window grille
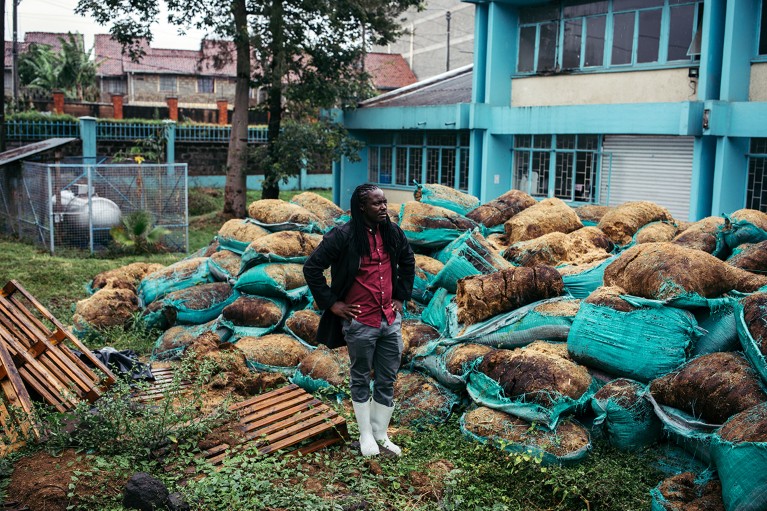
[402,159]
[608,34]
[756,188]
[563,166]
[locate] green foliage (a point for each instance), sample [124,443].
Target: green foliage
[149,149]
[69,69]
[202,201]
[33,115]
[138,233]
[304,145]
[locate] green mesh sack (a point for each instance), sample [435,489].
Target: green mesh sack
[421,291]
[742,464]
[241,330]
[431,360]
[549,320]
[700,481]
[750,346]
[274,279]
[445,197]
[436,314]
[175,277]
[281,247]
[224,265]
[422,402]
[469,254]
[190,306]
[739,231]
[688,432]
[172,343]
[722,331]
[642,344]
[485,391]
[582,284]
[626,418]
[235,235]
[431,227]
[552,441]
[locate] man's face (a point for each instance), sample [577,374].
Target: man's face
[374,207]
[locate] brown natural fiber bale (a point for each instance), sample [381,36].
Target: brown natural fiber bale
[667,270]
[656,231]
[497,241]
[178,337]
[482,296]
[107,307]
[442,193]
[560,308]
[427,265]
[713,386]
[683,494]
[304,323]
[701,235]
[326,364]
[621,223]
[252,311]
[567,438]
[584,265]
[277,211]
[325,209]
[592,212]
[610,296]
[557,349]
[458,358]
[241,230]
[622,391]
[414,335]
[535,374]
[287,244]
[229,261]
[419,400]
[125,277]
[549,215]
[755,316]
[750,425]
[287,275]
[279,350]
[754,216]
[584,245]
[499,210]
[752,257]
[200,297]
[178,271]
[417,217]
[393,210]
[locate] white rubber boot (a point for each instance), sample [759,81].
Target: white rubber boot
[379,420]
[368,445]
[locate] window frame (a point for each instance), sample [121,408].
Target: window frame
[166,77]
[757,156]
[607,40]
[209,79]
[761,30]
[386,156]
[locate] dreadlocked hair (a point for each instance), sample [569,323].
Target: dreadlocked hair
[359,229]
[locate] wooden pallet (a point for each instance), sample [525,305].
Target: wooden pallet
[281,419]
[162,384]
[35,358]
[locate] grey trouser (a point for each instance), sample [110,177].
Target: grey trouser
[378,349]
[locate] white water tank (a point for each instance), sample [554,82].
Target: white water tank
[74,210]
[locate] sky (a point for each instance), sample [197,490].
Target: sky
[59,16]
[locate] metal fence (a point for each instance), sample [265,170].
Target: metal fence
[76,205]
[108,130]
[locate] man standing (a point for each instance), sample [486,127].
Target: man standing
[372,268]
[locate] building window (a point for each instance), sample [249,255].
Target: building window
[114,86]
[561,166]
[762,50]
[607,33]
[167,83]
[205,85]
[423,157]
[756,191]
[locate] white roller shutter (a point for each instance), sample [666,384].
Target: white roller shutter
[657,169]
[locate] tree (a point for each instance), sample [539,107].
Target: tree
[69,69]
[310,55]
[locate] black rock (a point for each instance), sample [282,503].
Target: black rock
[144,492]
[176,502]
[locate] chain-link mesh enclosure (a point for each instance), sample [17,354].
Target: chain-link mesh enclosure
[76,205]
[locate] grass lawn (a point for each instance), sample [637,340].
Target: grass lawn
[440,470]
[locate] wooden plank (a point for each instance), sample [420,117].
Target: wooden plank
[15,392]
[300,436]
[263,397]
[300,400]
[286,428]
[283,417]
[317,445]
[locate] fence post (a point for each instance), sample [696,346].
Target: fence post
[170,141]
[88,137]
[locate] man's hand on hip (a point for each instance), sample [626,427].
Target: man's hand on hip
[344,310]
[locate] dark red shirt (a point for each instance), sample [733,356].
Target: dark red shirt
[372,287]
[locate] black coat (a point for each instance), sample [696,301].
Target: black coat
[337,252]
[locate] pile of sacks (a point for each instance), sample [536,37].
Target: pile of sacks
[530,318]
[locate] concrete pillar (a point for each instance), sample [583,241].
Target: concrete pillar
[223,111]
[58,102]
[88,137]
[117,106]
[170,141]
[172,108]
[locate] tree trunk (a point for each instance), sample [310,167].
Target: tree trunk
[271,186]
[237,156]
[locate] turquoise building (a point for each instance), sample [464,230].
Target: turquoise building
[594,103]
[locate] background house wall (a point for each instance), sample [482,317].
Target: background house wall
[758,83]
